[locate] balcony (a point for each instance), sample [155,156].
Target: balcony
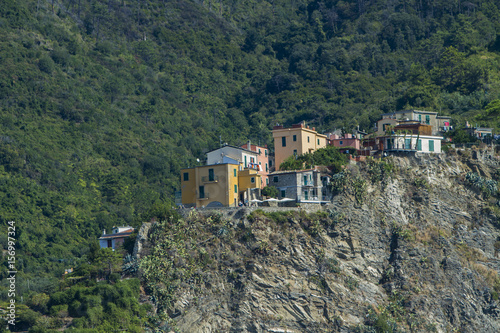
[209,179]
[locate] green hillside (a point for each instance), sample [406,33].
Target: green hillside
[103,102]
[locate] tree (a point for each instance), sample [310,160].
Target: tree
[270,191]
[109,261]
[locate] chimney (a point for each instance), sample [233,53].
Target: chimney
[104,231]
[249,146]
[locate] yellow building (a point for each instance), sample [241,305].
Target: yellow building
[249,179]
[296,140]
[210,186]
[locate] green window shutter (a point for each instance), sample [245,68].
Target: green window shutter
[283,141]
[235,188]
[234,172]
[419,144]
[431,145]
[407,143]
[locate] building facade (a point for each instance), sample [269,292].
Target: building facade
[263,157]
[115,238]
[347,140]
[299,185]
[411,142]
[440,124]
[296,140]
[213,185]
[232,154]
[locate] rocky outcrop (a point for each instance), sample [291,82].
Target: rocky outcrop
[416,252]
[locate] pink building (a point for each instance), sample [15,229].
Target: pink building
[262,162]
[349,140]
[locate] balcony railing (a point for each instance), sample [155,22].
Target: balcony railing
[208,179]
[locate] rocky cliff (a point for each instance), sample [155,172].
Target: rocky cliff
[408,244]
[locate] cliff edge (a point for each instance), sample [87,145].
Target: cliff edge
[408,244]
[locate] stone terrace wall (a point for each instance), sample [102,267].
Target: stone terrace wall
[239,212]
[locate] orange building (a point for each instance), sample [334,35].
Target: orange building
[296,140]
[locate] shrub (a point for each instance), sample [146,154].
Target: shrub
[270,191]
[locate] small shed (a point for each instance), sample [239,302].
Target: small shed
[116,238]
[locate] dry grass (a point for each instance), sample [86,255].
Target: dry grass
[489,275]
[470,254]
[430,235]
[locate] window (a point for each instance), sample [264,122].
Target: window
[283,193]
[235,188]
[211,176]
[407,143]
[252,180]
[283,141]
[267,181]
[427,119]
[186,176]
[252,160]
[294,138]
[260,151]
[306,195]
[341,142]
[267,169]
[295,151]
[201,191]
[419,144]
[234,172]
[431,145]
[245,161]
[275,179]
[318,142]
[110,243]
[308,139]
[420,118]
[305,180]
[265,152]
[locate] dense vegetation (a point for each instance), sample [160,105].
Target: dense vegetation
[102,102]
[329,156]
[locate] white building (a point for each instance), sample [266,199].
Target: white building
[412,142]
[116,238]
[232,154]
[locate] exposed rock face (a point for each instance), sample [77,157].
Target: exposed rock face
[417,253]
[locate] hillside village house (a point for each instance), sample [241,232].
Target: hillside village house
[299,185]
[115,238]
[264,159]
[406,135]
[296,140]
[219,185]
[440,124]
[478,132]
[344,141]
